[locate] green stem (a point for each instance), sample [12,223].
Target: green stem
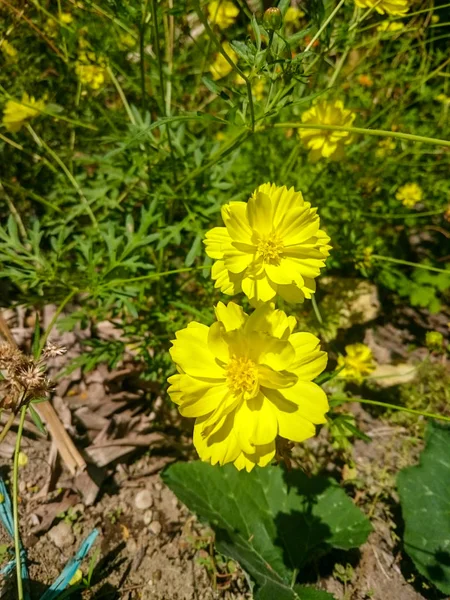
[15,500]
[401,409]
[7,426]
[40,142]
[54,319]
[161,84]
[407,263]
[316,309]
[361,130]
[324,25]
[161,274]
[220,49]
[122,95]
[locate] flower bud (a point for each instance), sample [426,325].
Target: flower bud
[273,18]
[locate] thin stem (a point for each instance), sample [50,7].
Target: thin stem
[161,274]
[122,95]
[401,408]
[161,83]
[15,500]
[316,309]
[7,426]
[58,311]
[324,25]
[376,132]
[66,171]
[220,49]
[410,264]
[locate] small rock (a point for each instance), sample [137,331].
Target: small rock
[148,517]
[143,500]
[155,527]
[61,535]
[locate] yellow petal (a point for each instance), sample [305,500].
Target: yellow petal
[236,261]
[311,400]
[258,289]
[262,457]
[207,403]
[191,352]
[291,293]
[259,213]
[215,241]
[227,282]
[275,379]
[217,343]
[231,315]
[283,274]
[235,218]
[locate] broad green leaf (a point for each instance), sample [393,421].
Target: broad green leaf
[425,500]
[270,521]
[309,593]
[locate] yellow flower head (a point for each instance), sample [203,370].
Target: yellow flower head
[443,98]
[9,52]
[270,245]
[90,70]
[222,12]
[322,143]
[390,26]
[220,67]
[293,16]
[247,379]
[391,7]
[358,362]
[258,89]
[385,147]
[126,41]
[409,194]
[15,114]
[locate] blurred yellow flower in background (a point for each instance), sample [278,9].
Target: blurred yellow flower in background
[8,50]
[293,16]
[222,12]
[270,245]
[91,70]
[358,362]
[126,41]
[409,194]
[323,143]
[220,67]
[15,114]
[385,147]
[391,7]
[258,89]
[391,26]
[246,380]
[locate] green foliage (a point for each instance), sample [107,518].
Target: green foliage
[271,521]
[425,500]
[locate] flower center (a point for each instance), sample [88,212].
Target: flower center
[242,374]
[270,249]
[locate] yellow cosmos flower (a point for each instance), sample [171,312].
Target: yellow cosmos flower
[246,380]
[391,7]
[390,26]
[9,52]
[358,362]
[409,194]
[443,98]
[220,67]
[293,16]
[91,70]
[329,144]
[270,245]
[15,114]
[222,12]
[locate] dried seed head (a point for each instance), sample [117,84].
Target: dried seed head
[10,356]
[51,350]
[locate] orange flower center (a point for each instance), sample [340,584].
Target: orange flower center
[242,374]
[270,249]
